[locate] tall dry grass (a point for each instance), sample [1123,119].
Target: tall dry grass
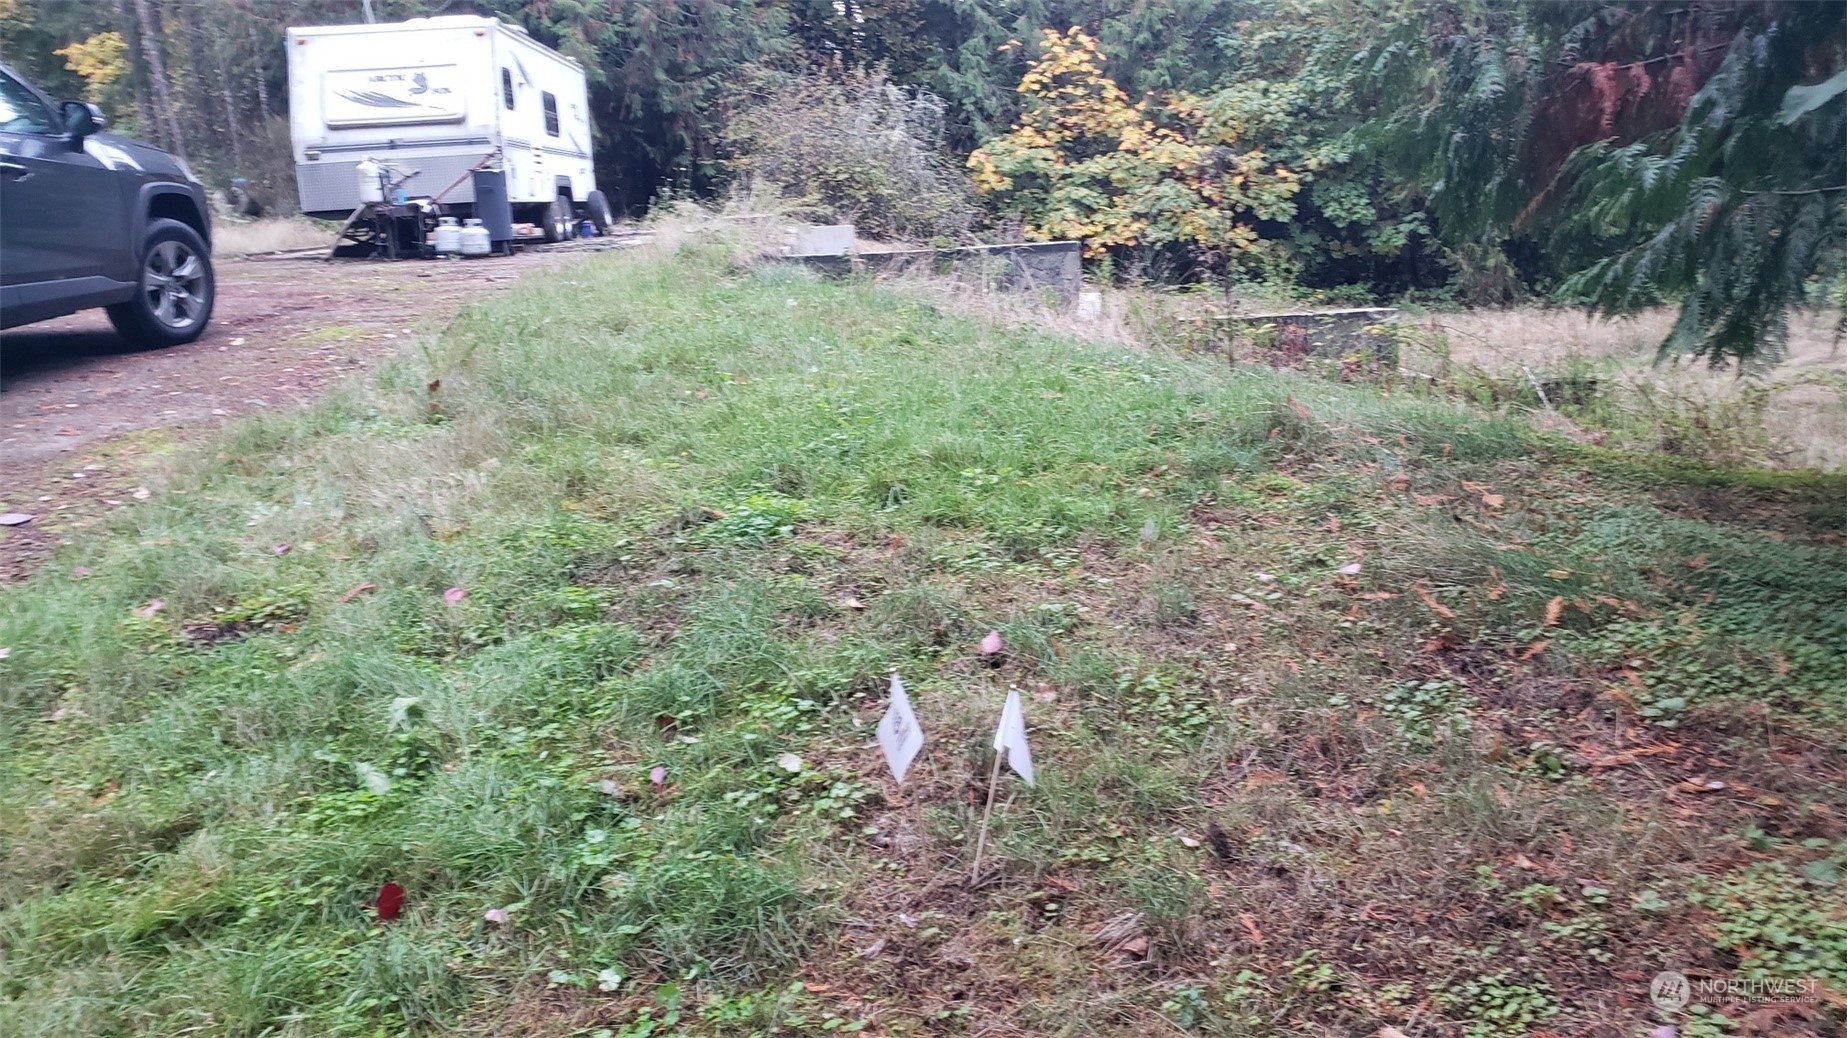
[1798,408]
[254,237]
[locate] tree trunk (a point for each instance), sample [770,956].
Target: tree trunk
[230,123]
[138,72]
[256,51]
[157,73]
[200,104]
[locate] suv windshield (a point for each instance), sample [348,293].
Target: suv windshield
[20,110]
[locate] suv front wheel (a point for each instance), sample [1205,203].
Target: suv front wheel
[173,300]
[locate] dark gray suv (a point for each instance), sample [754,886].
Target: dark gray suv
[90,219]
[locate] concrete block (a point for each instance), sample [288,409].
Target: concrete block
[832,240]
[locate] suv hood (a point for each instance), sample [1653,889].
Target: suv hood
[128,153]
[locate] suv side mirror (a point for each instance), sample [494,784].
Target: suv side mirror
[81,119]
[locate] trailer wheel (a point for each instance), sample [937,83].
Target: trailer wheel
[601,216]
[558,220]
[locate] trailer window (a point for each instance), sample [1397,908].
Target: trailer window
[551,113]
[506,89]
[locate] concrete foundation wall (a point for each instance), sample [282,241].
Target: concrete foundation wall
[1358,341]
[1026,267]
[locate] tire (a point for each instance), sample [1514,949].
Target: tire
[175,291]
[601,215]
[558,220]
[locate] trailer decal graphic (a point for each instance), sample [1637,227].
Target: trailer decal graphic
[374,100]
[393,96]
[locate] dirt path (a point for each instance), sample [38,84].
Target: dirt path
[83,416]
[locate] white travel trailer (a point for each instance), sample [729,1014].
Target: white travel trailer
[440,97]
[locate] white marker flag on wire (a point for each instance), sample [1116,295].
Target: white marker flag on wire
[900,736]
[1011,736]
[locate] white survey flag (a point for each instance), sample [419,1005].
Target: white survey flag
[900,736]
[1011,736]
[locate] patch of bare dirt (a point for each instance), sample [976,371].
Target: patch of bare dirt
[83,414]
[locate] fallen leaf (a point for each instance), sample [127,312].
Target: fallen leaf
[1700,785]
[1136,946]
[280,549]
[80,571]
[1250,927]
[390,900]
[497,915]
[1615,760]
[1261,777]
[16,518]
[1376,596]
[872,950]
[154,605]
[658,776]
[990,644]
[356,590]
[141,493]
[1534,649]
[1430,500]
[1431,602]
[1553,609]
[1492,501]
[789,762]
[454,595]
[850,602]
[1558,574]
[1390,1032]
[1351,569]
[1265,578]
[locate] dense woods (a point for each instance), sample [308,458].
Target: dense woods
[1612,155]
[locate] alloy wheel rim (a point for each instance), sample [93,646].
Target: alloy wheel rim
[173,281]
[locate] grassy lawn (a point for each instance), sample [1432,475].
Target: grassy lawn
[1576,717]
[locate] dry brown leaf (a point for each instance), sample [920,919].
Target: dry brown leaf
[1492,501]
[1617,760]
[1534,649]
[1261,777]
[1430,500]
[356,590]
[1553,609]
[1430,600]
[1250,927]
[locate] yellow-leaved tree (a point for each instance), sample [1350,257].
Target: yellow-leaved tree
[1085,162]
[102,61]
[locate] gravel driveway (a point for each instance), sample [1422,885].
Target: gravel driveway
[83,416]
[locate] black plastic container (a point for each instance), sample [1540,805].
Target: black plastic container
[493,208]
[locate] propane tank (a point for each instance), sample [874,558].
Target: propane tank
[475,239]
[448,236]
[371,187]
